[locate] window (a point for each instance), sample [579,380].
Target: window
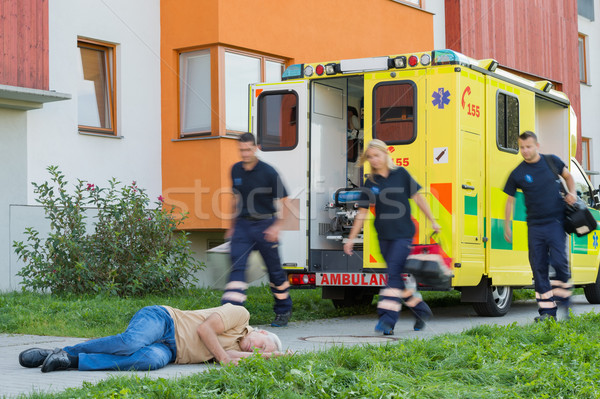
[585,153]
[395,112]
[195,86]
[585,8]
[583,78]
[96,88]
[241,70]
[277,121]
[507,118]
[581,186]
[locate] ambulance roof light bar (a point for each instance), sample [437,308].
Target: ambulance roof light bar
[449,57]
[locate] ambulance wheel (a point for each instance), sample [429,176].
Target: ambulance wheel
[592,291]
[498,301]
[354,297]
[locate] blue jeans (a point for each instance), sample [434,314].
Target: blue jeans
[147,344]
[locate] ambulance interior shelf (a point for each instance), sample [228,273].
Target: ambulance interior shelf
[343,211]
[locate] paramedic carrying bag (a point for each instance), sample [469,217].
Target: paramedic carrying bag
[578,218]
[429,266]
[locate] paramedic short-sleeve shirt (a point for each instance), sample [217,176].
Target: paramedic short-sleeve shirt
[190,348]
[392,209]
[541,189]
[256,189]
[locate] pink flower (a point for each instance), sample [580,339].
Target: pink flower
[167,279]
[90,187]
[161,198]
[133,183]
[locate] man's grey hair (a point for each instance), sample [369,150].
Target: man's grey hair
[274,338]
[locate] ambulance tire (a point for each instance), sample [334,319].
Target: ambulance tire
[498,302]
[354,297]
[592,291]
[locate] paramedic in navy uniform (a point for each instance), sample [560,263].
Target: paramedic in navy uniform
[256,186]
[545,216]
[390,188]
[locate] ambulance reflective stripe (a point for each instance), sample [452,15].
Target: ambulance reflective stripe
[352,279]
[545,300]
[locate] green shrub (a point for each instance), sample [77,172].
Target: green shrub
[132,250]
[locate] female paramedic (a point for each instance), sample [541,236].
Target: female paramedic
[389,187]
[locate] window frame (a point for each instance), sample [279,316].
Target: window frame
[582,41]
[415,110]
[259,123]
[500,147]
[180,105]
[585,155]
[263,62]
[109,50]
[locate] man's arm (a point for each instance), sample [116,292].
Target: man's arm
[230,230]
[272,232]
[208,332]
[571,196]
[359,220]
[510,203]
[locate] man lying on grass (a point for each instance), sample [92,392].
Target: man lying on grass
[159,335]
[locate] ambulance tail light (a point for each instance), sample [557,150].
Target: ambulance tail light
[332,69]
[413,60]
[293,72]
[302,279]
[320,69]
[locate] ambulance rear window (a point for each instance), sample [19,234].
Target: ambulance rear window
[395,112]
[507,118]
[277,121]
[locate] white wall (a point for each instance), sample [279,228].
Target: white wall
[590,93]
[13,175]
[53,138]
[439,22]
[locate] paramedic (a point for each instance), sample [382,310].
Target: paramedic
[256,186]
[545,216]
[389,187]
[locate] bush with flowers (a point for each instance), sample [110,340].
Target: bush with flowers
[131,250]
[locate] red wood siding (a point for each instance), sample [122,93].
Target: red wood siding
[24,43]
[534,36]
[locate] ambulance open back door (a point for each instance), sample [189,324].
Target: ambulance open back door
[278,120]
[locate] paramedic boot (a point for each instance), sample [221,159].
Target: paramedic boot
[422,314]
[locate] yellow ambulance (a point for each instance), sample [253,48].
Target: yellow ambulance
[453,123]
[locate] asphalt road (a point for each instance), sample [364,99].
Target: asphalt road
[298,336]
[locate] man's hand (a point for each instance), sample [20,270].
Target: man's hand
[436,227]
[272,233]
[570,198]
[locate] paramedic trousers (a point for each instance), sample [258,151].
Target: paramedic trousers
[394,253]
[548,244]
[248,235]
[147,344]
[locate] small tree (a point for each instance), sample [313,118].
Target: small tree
[132,250]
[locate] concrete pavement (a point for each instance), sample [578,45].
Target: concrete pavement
[298,336]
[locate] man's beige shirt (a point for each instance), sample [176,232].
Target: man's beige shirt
[190,348]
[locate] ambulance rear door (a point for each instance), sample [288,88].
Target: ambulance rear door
[278,120]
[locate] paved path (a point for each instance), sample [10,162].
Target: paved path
[299,336]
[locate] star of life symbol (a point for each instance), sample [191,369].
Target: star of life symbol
[441,98]
[595,240]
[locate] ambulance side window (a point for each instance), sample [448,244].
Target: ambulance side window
[394,112]
[277,121]
[507,122]
[581,186]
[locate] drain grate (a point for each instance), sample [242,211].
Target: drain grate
[349,339]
